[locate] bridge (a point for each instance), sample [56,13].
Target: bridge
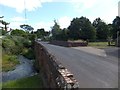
[64,67]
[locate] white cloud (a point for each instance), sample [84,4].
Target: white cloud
[46,25]
[64,22]
[18,19]
[82,5]
[20,5]
[15,25]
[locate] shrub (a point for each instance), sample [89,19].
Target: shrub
[28,53]
[9,62]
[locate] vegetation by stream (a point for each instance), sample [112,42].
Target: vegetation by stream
[29,82]
[18,43]
[12,46]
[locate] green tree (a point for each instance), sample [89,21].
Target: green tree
[41,33]
[5,24]
[81,28]
[27,28]
[3,32]
[74,29]
[116,26]
[56,31]
[64,34]
[18,32]
[102,30]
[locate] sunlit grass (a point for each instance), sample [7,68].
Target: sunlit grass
[29,82]
[99,44]
[9,62]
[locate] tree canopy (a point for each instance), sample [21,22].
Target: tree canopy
[27,27]
[18,32]
[81,28]
[41,33]
[56,30]
[102,31]
[116,26]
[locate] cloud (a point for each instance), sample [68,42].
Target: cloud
[46,25]
[18,19]
[64,22]
[20,5]
[15,25]
[82,5]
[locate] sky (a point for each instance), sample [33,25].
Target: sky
[42,13]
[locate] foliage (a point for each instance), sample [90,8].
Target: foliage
[56,31]
[13,45]
[116,26]
[29,82]
[18,32]
[41,33]
[2,32]
[81,28]
[4,23]
[28,53]
[26,27]
[63,35]
[102,30]
[9,62]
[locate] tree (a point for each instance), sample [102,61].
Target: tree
[116,27]
[74,29]
[64,34]
[3,32]
[26,27]
[56,31]
[81,28]
[102,31]
[41,33]
[5,24]
[18,32]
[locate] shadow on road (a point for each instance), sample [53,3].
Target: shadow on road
[115,52]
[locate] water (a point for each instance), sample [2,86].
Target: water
[25,69]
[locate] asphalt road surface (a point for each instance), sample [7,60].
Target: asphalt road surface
[91,71]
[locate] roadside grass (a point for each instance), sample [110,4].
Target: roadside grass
[29,82]
[99,44]
[9,62]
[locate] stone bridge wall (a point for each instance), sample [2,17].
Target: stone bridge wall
[68,43]
[53,73]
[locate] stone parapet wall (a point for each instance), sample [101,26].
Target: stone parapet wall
[53,73]
[68,43]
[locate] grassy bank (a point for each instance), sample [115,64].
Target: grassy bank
[12,46]
[99,44]
[29,82]
[9,62]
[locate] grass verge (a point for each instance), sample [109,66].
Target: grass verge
[29,82]
[99,44]
[9,62]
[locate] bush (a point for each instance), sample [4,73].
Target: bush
[9,62]
[28,53]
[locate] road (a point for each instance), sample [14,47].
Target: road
[91,71]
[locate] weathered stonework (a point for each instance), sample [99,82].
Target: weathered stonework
[53,73]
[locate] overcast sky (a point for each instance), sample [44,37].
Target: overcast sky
[41,13]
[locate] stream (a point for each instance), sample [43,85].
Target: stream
[24,69]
